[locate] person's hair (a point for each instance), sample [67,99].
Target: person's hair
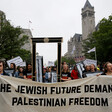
[75,68]
[44,68]
[47,69]
[94,67]
[105,67]
[2,63]
[19,68]
[27,65]
[67,69]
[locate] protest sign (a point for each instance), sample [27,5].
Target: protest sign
[22,64]
[50,63]
[18,61]
[80,68]
[9,71]
[90,61]
[54,77]
[39,68]
[93,94]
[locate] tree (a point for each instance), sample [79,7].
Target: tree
[25,55]
[102,40]
[68,61]
[10,41]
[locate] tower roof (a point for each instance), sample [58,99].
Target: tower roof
[87,4]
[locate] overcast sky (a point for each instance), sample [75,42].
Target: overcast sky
[52,18]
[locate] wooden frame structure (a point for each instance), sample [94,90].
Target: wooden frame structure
[57,40]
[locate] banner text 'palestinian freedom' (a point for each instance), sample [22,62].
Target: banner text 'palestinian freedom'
[51,102]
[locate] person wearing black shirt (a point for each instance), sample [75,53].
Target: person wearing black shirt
[65,75]
[28,71]
[21,73]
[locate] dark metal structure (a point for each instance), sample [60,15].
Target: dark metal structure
[57,40]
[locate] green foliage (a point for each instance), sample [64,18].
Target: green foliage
[25,55]
[102,40]
[68,61]
[11,43]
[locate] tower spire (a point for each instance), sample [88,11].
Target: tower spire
[87,4]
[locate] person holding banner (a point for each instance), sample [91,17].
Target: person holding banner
[2,72]
[28,71]
[93,68]
[48,75]
[87,69]
[21,73]
[65,75]
[107,69]
[13,66]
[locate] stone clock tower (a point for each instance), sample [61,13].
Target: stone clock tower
[88,20]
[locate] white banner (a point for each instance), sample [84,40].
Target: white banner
[93,94]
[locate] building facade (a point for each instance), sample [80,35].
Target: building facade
[28,44]
[2,18]
[88,26]
[27,32]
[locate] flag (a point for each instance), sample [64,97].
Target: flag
[30,22]
[92,50]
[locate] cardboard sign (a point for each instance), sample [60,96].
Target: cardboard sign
[50,63]
[80,68]
[18,61]
[22,64]
[89,62]
[9,71]
[54,77]
[39,68]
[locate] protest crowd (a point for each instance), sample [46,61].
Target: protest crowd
[18,72]
[67,72]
